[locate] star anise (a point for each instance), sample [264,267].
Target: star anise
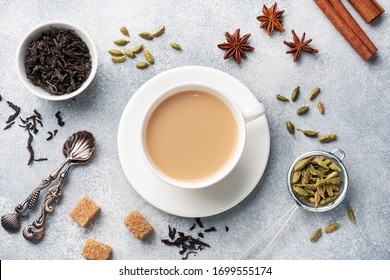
[299,45]
[236,45]
[271,19]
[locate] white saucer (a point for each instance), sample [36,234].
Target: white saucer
[201,202]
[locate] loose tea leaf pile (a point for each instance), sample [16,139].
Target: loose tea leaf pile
[58,61]
[316,180]
[186,242]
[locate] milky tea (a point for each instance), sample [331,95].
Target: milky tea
[191,135]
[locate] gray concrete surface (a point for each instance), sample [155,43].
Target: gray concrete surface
[355,93]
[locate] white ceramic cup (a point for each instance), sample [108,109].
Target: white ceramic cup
[242,116]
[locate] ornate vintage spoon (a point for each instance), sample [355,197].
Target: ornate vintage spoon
[81,146]
[78,148]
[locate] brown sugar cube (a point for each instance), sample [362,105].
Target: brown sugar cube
[94,250]
[84,211]
[138,225]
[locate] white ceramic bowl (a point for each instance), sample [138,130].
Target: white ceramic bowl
[34,34]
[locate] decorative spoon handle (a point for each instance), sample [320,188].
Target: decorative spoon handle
[35,231]
[11,221]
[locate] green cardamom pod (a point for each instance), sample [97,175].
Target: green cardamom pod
[332,227]
[351,215]
[137,48]
[129,53]
[316,235]
[146,36]
[334,181]
[321,163]
[303,110]
[118,59]
[295,94]
[300,191]
[290,128]
[302,163]
[148,55]
[314,93]
[317,198]
[115,52]
[281,98]
[334,167]
[159,31]
[328,200]
[121,42]
[332,175]
[141,65]
[321,191]
[309,133]
[305,176]
[321,107]
[296,176]
[176,46]
[327,138]
[124,31]
[329,190]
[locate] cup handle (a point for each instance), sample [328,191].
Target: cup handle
[253,112]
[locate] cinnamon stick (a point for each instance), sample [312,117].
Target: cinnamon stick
[368,9]
[345,30]
[345,14]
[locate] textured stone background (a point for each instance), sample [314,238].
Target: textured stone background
[355,93]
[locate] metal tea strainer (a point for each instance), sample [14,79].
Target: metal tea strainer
[337,156]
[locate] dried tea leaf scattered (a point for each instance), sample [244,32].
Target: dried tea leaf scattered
[351,215]
[14,115]
[124,31]
[282,98]
[327,138]
[332,227]
[316,235]
[9,125]
[59,119]
[295,94]
[313,93]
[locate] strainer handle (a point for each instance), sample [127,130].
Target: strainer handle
[290,213]
[339,154]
